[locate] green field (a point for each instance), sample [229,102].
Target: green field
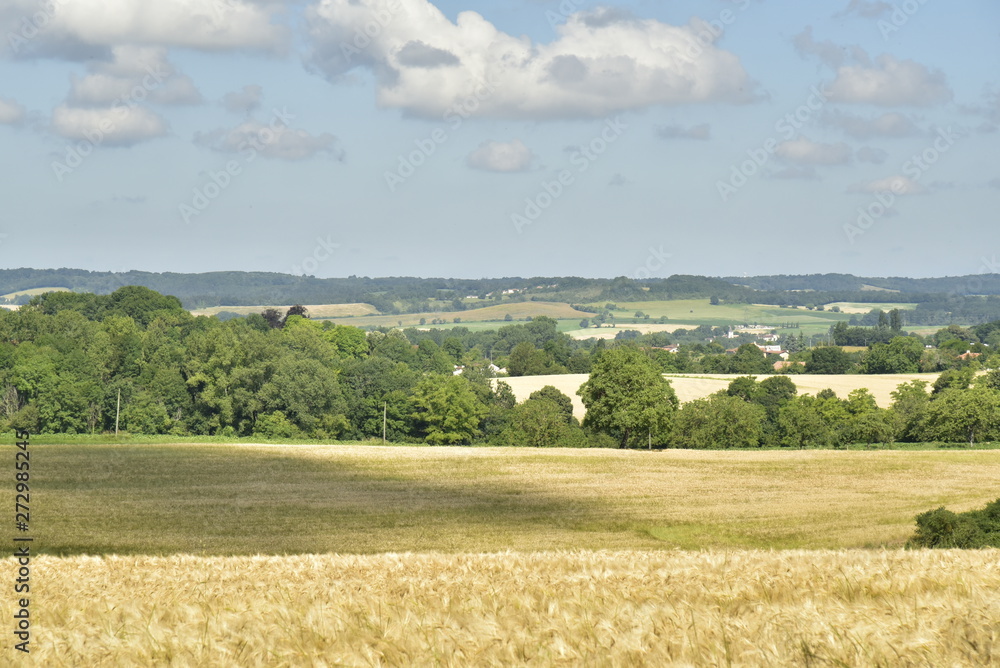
[495,315]
[283,499]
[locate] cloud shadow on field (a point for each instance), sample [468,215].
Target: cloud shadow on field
[221,500]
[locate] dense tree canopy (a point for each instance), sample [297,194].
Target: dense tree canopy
[628,399]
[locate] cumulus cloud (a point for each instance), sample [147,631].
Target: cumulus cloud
[113,126]
[890,124]
[418,54]
[900,185]
[882,81]
[274,140]
[890,82]
[702,132]
[875,156]
[134,74]
[492,156]
[802,151]
[243,101]
[11,113]
[600,63]
[80,28]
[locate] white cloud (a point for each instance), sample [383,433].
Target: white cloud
[702,132]
[890,82]
[890,124]
[833,55]
[74,28]
[111,126]
[600,63]
[11,113]
[885,81]
[492,156]
[243,101]
[274,140]
[900,185]
[802,151]
[134,74]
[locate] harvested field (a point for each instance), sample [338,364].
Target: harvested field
[689,387]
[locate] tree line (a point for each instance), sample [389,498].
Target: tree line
[66,358]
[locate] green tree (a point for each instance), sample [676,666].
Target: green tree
[909,409]
[446,410]
[526,360]
[901,355]
[562,402]
[720,421]
[804,423]
[749,359]
[868,427]
[964,415]
[628,399]
[540,422]
[828,360]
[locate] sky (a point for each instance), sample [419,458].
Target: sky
[501,138]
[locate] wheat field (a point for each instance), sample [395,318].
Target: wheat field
[698,386]
[745,608]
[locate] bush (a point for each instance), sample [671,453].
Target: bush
[942,528]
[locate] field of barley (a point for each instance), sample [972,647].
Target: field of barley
[745,608]
[337,555]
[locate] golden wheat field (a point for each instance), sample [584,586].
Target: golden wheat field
[314,310]
[745,608]
[699,386]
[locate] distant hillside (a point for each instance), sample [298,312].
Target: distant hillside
[980,284]
[938,300]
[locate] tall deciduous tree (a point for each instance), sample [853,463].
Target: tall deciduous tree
[628,399]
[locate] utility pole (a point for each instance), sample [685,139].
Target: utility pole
[118,410]
[384,406]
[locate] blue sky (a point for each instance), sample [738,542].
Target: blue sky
[516,138]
